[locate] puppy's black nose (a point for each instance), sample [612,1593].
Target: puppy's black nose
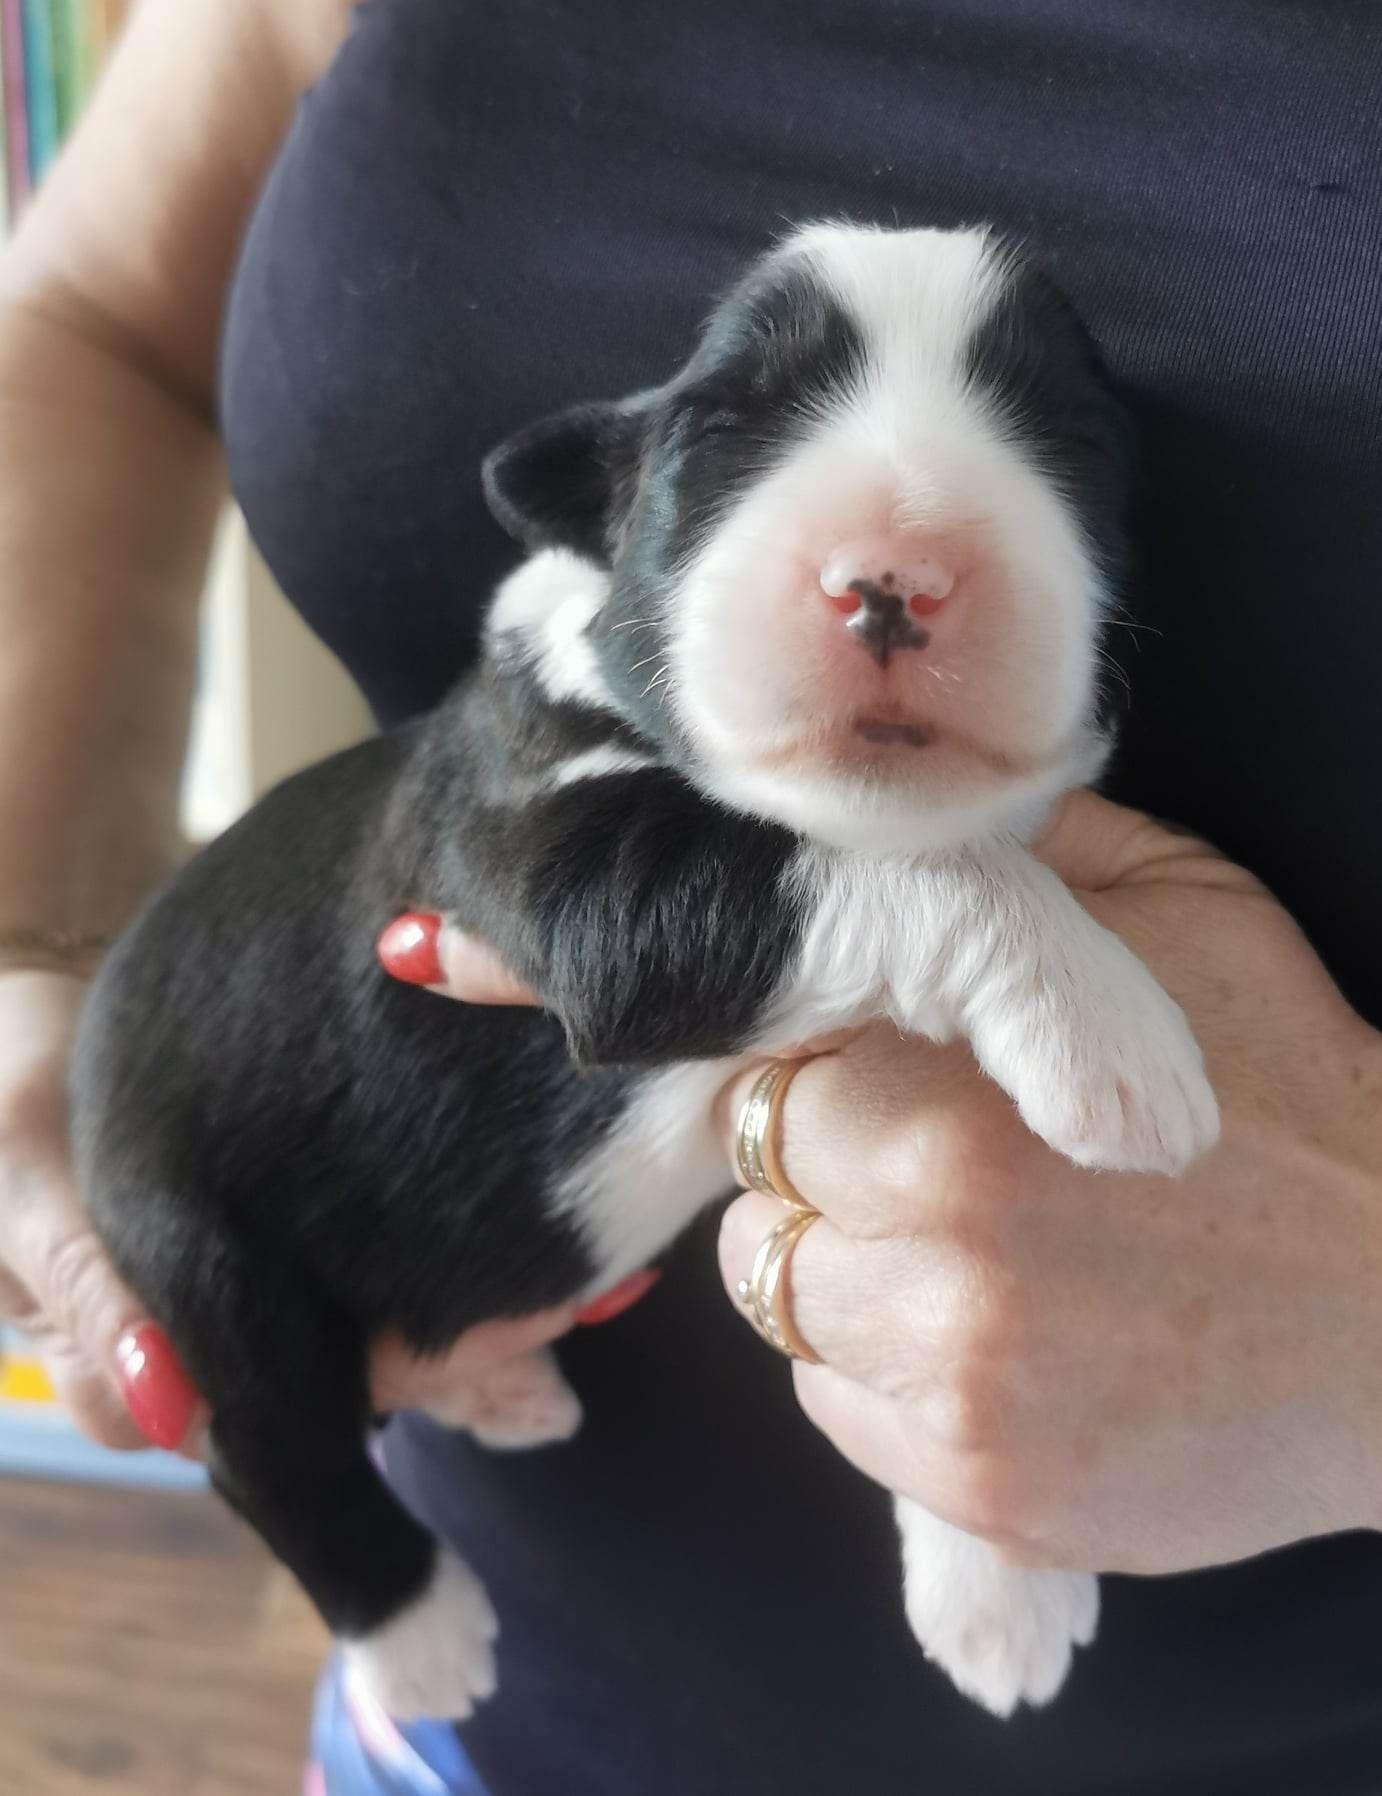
[882,623]
[884,586]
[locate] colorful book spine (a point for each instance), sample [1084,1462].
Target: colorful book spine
[88,43]
[51,52]
[4,145]
[70,37]
[40,83]
[16,102]
[106,18]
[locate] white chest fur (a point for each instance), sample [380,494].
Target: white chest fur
[658,1167]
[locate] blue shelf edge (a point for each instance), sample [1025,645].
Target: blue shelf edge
[42,1445]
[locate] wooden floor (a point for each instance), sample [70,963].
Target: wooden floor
[148,1647]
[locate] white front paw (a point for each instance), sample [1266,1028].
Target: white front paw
[1103,1066]
[436,1657]
[1002,1635]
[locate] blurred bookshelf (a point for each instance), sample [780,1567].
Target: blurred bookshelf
[270,699]
[51,52]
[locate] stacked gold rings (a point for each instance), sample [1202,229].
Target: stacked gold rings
[764,1292]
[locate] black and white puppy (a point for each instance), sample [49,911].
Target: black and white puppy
[806,648]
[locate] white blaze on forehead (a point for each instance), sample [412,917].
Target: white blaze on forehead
[917,298]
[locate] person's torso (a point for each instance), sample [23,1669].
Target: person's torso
[482,214]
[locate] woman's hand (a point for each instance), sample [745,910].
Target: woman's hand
[1092,1370]
[108,1363]
[1095,1370]
[55,1281]
[1101,1371]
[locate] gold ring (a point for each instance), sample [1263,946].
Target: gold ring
[755,1139]
[764,1292]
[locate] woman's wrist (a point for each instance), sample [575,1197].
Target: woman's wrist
[77,944]
[1368,1086]
[1365,1080]
[33,950]
[1328,1169]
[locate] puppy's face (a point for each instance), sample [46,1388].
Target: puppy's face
[860,546]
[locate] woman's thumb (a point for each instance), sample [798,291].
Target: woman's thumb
[1094,844]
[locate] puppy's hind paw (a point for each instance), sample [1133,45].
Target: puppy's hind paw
[521,1402]
[1016,1646]
[1002,1635]
[435,1658]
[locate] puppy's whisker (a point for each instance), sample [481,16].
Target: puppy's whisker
[1119,673]
[1119,618]
[656,680]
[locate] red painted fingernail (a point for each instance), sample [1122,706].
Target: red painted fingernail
[619,1297]
[158,1393]
[407,949]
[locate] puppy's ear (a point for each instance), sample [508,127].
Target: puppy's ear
[568,481]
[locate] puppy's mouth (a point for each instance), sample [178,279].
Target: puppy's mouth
[893,745]
[854,741]
[906,736]
[889,733]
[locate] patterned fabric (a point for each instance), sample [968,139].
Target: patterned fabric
[358,1751]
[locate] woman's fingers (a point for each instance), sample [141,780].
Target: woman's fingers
[889,1135]
[889,1393]
[420,948]
[1090,841]
[57,1285]
[1097,846]
[159,1395]
[877,1435]
[842,1147]
[475,973]
[967,1485]
[882,1311]
[87,1391]
[894,1391]
[112,1369]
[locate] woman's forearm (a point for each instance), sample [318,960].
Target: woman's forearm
[111,297]
[109,490]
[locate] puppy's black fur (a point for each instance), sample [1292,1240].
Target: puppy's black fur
[286,1150]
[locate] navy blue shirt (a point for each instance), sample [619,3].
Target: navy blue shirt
[482,213]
